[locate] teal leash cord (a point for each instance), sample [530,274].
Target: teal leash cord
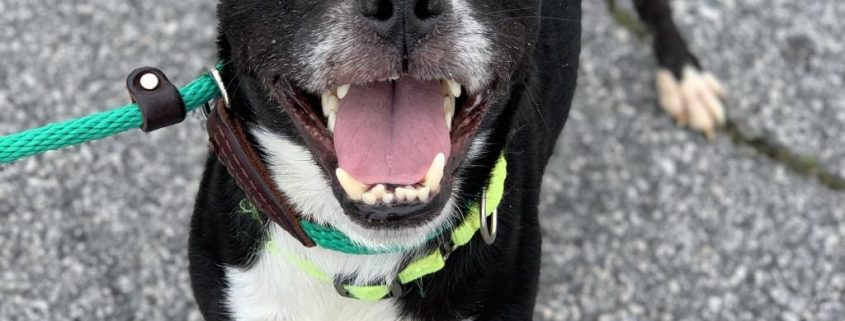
[96,126]
[325,236]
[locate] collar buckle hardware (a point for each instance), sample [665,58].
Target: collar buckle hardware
[340,285]
[446,249]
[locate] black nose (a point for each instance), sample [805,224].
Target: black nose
[402,22]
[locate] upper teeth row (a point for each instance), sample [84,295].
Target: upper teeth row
[331,102]
[371,195]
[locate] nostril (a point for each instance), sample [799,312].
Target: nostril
[381,10]
[425,9]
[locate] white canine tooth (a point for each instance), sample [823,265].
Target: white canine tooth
[452,88]
[379,190]
[388,198]
[332,120]
[342,91]
[435,173]
[353,188]
[425,193]
[369,198]
[324,102]
[330,103]
[411,193]
[449,110]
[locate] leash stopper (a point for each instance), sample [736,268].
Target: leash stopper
[158,99]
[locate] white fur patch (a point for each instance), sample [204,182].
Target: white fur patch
[276,289]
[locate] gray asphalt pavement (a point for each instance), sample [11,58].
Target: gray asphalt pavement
[642,220]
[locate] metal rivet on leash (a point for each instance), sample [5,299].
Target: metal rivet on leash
[149,81]
[488,233]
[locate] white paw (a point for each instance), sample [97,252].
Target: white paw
[695,100]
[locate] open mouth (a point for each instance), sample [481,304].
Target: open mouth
[392,146]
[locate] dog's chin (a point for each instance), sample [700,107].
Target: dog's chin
[381,160]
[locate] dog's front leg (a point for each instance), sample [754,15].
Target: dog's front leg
[685,91]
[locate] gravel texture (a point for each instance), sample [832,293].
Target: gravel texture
[643,221]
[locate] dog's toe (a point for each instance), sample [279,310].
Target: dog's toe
[695,99]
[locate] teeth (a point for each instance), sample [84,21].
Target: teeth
[435,173]
[354,189]
[380,194]
[401,194]
[449,110]
[330,103]
[332,120]
[425,193]
[372,195]
[369,198]
[342,91]
[452,88]
[379,190]
[387,198]
[411,193]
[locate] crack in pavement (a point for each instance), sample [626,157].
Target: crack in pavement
[802,165]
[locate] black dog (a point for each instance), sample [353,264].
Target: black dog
[383,120]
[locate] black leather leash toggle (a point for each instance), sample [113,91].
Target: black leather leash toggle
[158,99]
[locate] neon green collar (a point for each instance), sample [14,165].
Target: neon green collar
[432,263]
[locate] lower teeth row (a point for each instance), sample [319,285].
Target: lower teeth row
[379,194]
[372,195]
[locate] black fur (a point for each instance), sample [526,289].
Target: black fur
[536,69]
[669,45]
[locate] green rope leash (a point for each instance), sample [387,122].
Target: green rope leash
[96,126]
[325,236]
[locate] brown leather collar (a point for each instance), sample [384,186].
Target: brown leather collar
[234,151]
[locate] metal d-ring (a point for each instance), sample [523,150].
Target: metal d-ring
[488,233]
[220,85]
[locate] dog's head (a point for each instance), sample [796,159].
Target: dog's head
[373,113]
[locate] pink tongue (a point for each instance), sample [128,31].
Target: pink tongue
[390,132]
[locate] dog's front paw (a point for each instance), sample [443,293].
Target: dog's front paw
[694,99]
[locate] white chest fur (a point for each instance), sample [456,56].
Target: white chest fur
[276,289]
